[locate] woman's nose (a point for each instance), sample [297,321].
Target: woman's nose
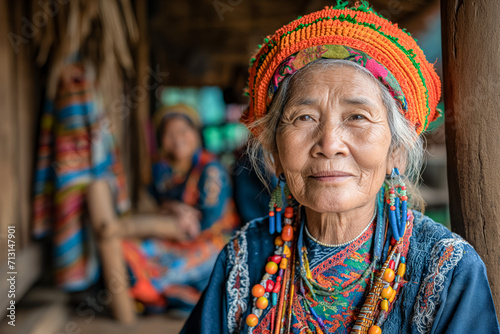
[330,141]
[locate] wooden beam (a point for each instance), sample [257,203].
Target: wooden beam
[471,44]
[8,124]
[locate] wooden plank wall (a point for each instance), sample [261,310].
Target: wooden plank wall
[19,105]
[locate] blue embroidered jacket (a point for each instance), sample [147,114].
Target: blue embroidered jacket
[447,289]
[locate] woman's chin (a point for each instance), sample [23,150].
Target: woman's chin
[332,200]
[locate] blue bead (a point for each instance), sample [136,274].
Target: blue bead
[394,224]
[271,224]
[274,297]
[403,216]
[278,222]
[396,204]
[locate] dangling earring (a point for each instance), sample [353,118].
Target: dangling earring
[276,206]
[397,204]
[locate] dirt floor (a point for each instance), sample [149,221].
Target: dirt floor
[163,324]
[50,311]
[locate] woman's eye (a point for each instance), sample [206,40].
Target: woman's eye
[304,118]
[357,117]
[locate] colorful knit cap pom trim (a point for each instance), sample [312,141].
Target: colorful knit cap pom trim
[358,34]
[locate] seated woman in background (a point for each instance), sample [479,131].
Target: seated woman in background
[194,192]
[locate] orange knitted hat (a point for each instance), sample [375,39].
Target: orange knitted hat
[355,33]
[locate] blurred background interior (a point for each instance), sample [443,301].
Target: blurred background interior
[135,57]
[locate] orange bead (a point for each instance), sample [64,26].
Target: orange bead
[262,303]
[387,292]
[287,233]
[389,275]
[271,268]
[252,320]
[278,241]
[258,291]
[375,330]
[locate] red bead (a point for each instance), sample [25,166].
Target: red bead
[288,212]
[278,209]
[393,241]
[258,291]
[278,279]
[269,285]
[392,191]
[271,213]
[277,287]
[276,259]
[252,320]
[392,264]
[404,198]
[403,187]
[388,201]
[287,233]
[271,268]
[393,208]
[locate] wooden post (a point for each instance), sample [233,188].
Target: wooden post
[471,48]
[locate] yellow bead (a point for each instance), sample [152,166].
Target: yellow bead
[271,268]
[252,320]
[387,292]
[278,241]
[392,296]
[286,251]
[401,269]
[262,302]
[375,330]
[283,263]
[389,275]
[384,305]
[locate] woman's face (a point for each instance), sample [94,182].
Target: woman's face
[333,140]
[180,140]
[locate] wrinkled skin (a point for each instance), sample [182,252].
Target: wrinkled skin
[333,148]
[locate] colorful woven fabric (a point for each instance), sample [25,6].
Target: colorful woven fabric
[75,147]
[360,30]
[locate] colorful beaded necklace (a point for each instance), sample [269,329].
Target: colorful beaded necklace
[278,281]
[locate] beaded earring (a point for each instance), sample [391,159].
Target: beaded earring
[276,205]
[397,204]
[279,267]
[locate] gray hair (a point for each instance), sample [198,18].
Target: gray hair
[404,137]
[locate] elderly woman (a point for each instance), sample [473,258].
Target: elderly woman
[339,99]
[173,264]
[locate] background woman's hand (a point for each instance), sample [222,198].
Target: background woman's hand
[188,218]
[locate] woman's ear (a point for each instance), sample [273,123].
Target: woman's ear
[278,168]
[396,159]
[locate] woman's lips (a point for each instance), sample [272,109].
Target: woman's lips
[331,176]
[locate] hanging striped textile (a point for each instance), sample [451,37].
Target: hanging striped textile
[75,147]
